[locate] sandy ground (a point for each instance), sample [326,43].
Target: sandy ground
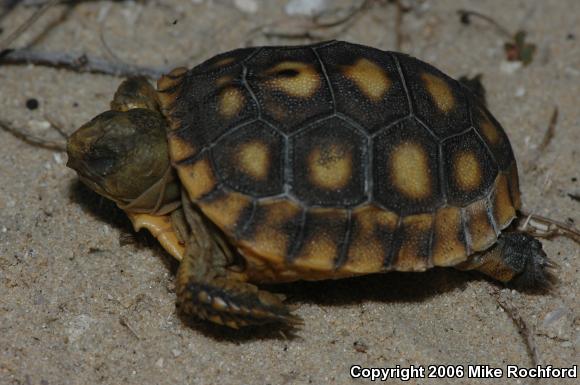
[80,306]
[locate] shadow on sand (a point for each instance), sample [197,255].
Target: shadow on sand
[387,288]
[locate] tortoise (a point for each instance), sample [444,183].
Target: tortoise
[277,164]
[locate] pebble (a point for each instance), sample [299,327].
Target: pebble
[247,6]
[557,323]
[510,67]
[78,326]
[176,352]
[39,124]
[554,316]
[305,7]
[159,362]
[57,156]
[520,91]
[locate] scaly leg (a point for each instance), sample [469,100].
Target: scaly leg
[206,289]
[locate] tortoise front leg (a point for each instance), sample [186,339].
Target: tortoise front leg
[206,289]
[516,258]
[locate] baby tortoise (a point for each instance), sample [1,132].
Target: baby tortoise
[277,164]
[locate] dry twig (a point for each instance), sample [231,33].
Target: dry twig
[466,14]
[5,44]
[125,322]
[78,63]
[543,227]
[550,131]
[524,330]
[31,139]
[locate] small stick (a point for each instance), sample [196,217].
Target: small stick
[125,322]
[550,131]
[540,226]
[78,63]
[4,44]
[499,27]
[523,328]
[31,139]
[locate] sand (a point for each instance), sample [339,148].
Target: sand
[81,305]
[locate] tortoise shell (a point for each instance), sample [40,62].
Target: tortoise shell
[337,159]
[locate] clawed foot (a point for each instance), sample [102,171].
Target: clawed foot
[234,304]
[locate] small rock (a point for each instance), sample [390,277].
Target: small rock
[520,91]
[305,7]
[159,362]
[57,156]
[510,67]
[360,346]
[39,125]
[78,326]
[247,6]
[557,324]
[176,353]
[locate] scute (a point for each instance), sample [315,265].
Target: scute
[439,101]
[470,170]
[289,86]
[209,105]
[366,84]
[273,229]
[251,160]
[494,137]
[327,161]
[370,243]
[406,169]
[323,239]
[337,159]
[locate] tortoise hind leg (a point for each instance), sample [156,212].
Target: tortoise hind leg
[516,258]
[206,289]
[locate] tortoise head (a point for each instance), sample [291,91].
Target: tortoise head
[122,154]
